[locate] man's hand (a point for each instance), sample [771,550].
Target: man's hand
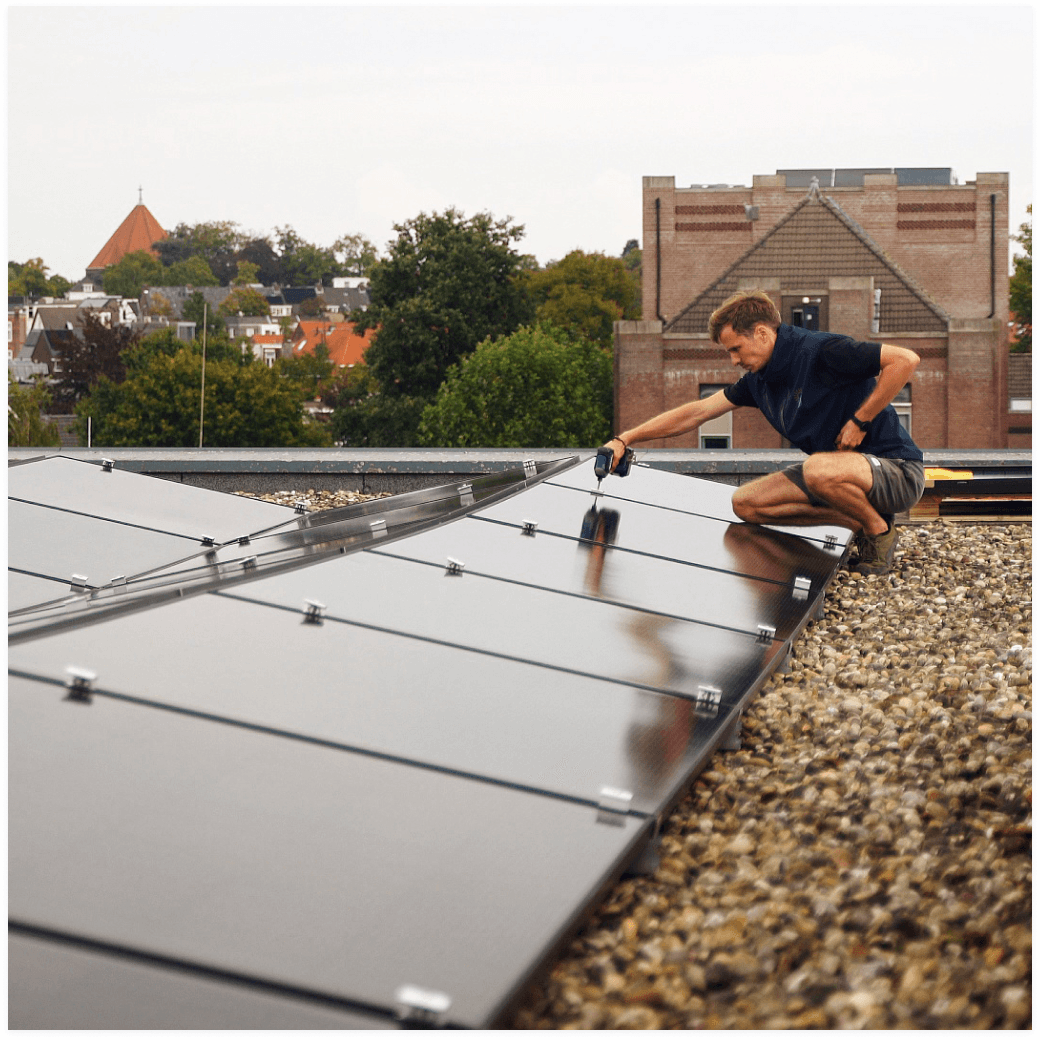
[619,452]
[850,437]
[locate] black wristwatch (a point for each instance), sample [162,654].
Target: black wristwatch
[864,426]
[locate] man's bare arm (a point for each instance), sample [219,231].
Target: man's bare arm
[672,423]
[897,367]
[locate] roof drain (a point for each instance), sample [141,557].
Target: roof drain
[657,208]
[992,256]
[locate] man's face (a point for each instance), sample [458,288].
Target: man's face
[750,350]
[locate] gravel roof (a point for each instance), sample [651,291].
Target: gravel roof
[864,860]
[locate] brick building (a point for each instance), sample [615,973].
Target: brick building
[904,256]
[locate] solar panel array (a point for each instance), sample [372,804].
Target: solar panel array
[274,769]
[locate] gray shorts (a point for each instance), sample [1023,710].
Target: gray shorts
[898,484]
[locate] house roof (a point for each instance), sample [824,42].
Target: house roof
[139,231]
[818,240]
[346,347]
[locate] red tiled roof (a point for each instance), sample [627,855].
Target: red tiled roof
[345,346]
[138,231]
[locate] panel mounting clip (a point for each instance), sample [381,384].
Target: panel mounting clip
[466,495]
[831,542]
[78,583]
[766,633]
[802,585]
[455,566]
[315,612]
[300,505]
[707,701]
[108,465]
[530,469]
[378,528]
[208,541]
[249,563]
[529,528]
[80,683]
[613,800]
[421,1006]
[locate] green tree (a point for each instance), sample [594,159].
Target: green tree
[217,242]
[537,388]
[362,417]
[308,371]
[159,405]
[448,283]
[193,271]
[1021,290]
[94,354]
[304,263]
[166,341]
[30,279]
[132,274]
[26,427]
[244,300]
[247,272]
[586,293]
[195,310]
[359,254]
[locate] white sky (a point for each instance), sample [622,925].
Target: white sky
[350,118]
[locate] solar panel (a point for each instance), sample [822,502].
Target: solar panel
[367,765]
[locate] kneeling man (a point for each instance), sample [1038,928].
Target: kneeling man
[831,397]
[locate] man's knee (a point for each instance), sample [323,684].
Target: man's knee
[743,503]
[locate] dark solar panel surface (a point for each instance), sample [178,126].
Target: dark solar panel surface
[425,786]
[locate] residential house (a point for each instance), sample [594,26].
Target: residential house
[346,347]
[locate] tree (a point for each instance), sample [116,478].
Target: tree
[303,263]
[216,242]
[359,254]
[132,274]
[158,405]
[247,273]
[308,371]
[166,341]
[362,417]
[30,279]
[195,309]
[448,283]
[260,253]
[586,293]
[1021,290]
[193,271]
[244,300]
[25,424]
[95,354]
[537,388]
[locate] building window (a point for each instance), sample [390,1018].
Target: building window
[902,405]
[717,433]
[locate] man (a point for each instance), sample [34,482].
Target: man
[818,389]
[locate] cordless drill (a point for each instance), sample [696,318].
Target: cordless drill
[605,459]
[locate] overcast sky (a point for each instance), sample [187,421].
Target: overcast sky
[348,119]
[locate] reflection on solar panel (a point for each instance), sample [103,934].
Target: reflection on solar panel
[365,767]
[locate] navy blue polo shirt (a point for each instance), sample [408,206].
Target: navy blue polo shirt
[812,385]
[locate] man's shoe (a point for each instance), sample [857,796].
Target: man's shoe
[875,554]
